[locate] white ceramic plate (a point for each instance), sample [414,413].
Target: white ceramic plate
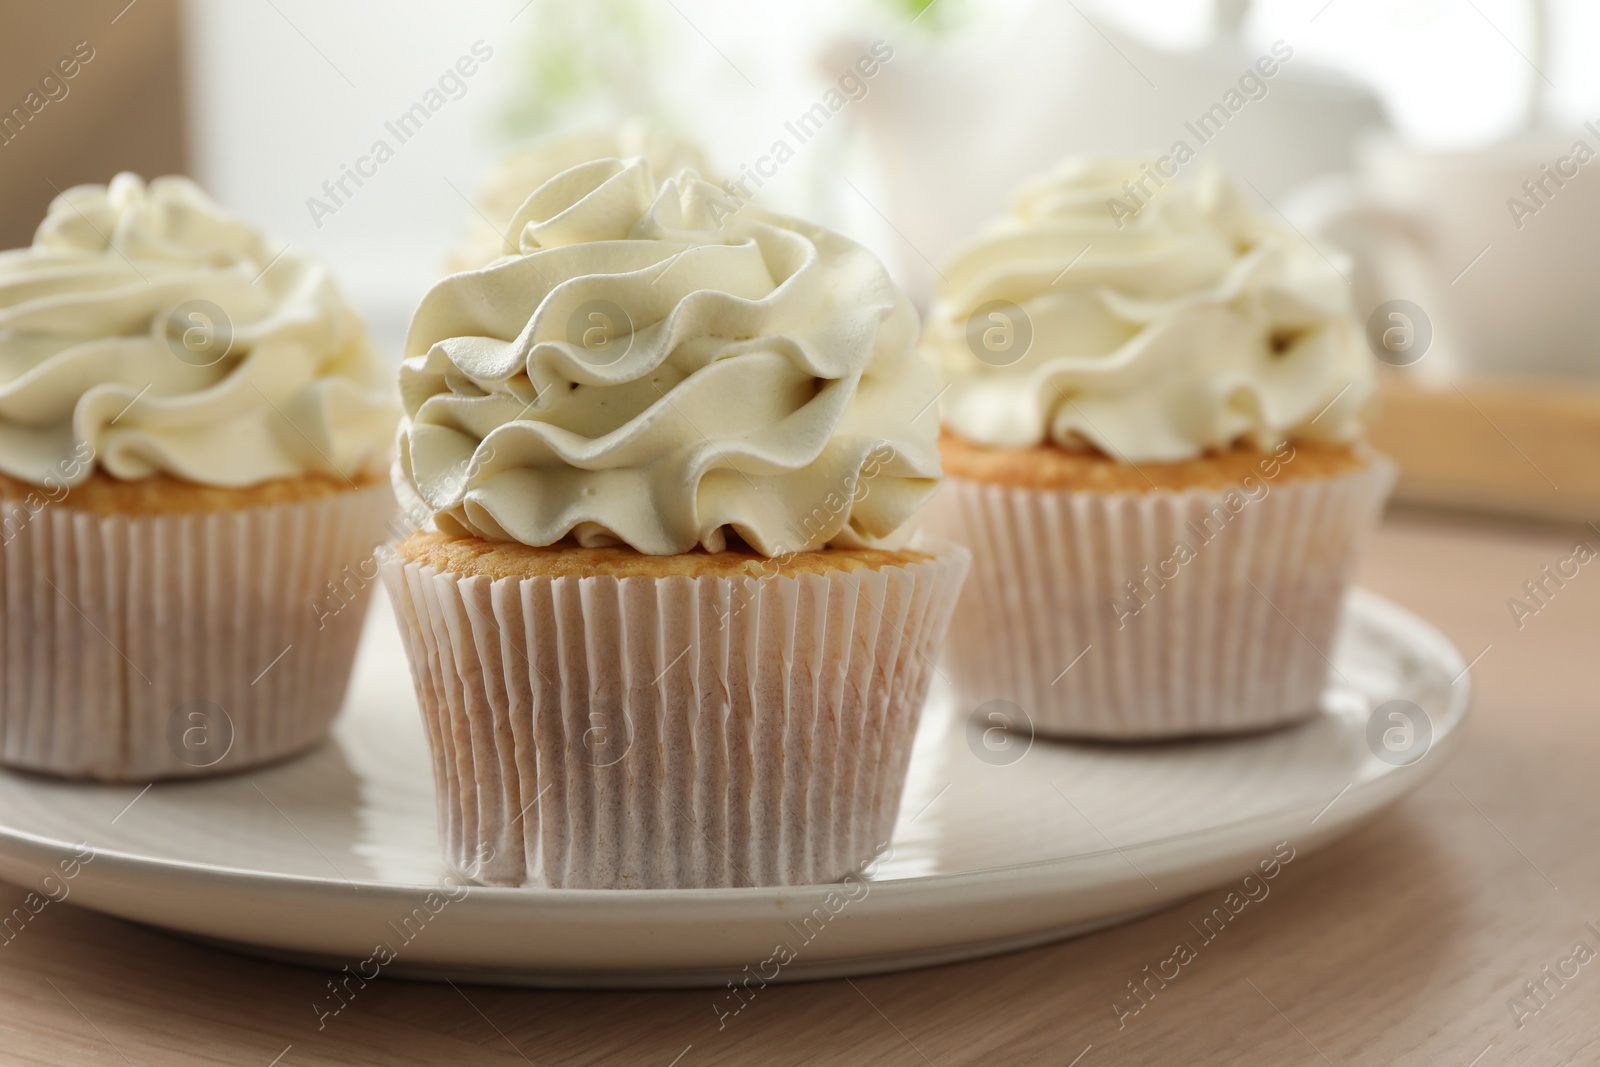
[327,858]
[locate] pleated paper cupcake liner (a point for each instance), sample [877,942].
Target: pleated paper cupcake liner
[671,732]
[163,646]
[1154,614]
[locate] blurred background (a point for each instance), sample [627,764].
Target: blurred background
[1444,145]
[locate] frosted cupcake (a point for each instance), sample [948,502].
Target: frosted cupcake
[666,631]
[193,430]
[1153,440]
[516,176]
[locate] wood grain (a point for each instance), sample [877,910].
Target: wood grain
[1400,945]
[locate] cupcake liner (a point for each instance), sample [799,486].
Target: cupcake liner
[671,732]
[1171,643]
[156,646]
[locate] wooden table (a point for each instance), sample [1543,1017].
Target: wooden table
[1401,945]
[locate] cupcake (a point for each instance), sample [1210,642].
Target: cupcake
[193,434]
[528,167]
[1153,441]
[665,625]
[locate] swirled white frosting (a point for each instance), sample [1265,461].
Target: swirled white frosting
[657,370]
[516,176]
[282,382]
[1163,326]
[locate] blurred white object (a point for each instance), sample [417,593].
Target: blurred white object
[1497,245]
[958,128]
[1450,73]
[286,96]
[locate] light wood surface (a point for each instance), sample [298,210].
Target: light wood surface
[1525,448]
[1400,945]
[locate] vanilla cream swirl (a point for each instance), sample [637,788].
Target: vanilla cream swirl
[170,338]
[657,370]
[524,170]
[1166,322]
